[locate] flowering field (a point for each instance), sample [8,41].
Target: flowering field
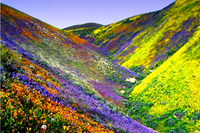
[52,81]
[169,98]
[143,42]
[162,46]
[34,100]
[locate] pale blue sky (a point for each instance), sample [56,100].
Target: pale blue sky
[64,13]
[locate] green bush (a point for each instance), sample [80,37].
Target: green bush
[179,114]
[9,59]
[170,121]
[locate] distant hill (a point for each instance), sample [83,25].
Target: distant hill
[86,25]
[84,31]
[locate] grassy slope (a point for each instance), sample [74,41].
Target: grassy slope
[62,51]
[31,98]
[55,72]
[147,40]
[172,91]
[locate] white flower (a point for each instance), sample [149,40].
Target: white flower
[44,127]
[151,71]
[132,80]
[122,91]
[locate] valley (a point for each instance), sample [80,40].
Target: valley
[137,75]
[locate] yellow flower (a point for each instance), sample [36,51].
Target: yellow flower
[64,127]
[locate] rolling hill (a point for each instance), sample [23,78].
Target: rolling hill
[164,46]
[169,98]
[140,74]
[143,42]
[84,31]
[52,80]
[86,25]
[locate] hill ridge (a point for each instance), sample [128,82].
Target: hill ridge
[85,25]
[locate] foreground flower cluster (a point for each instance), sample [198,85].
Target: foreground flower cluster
[34,100]
[26,109]
[28,103]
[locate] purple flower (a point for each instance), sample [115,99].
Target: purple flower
[52,119]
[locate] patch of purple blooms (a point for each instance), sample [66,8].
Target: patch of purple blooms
[94,107]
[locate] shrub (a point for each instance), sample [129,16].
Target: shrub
[149,118]
[9,59]
[196,116]
[179,114]
[154,125]
[172,131]
[171,122]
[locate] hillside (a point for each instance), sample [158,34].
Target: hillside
[84,31]
[165,45]
[86,25]
[46,71]
[169,98]
[137,75]
[145,41]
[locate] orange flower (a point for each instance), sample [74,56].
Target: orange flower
[44,121]
[30,118]
[30,111]
[15,114]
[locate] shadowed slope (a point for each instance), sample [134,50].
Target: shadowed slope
[86,25]
[84,31]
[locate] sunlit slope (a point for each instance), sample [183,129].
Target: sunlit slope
[147,40]
[173,91]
